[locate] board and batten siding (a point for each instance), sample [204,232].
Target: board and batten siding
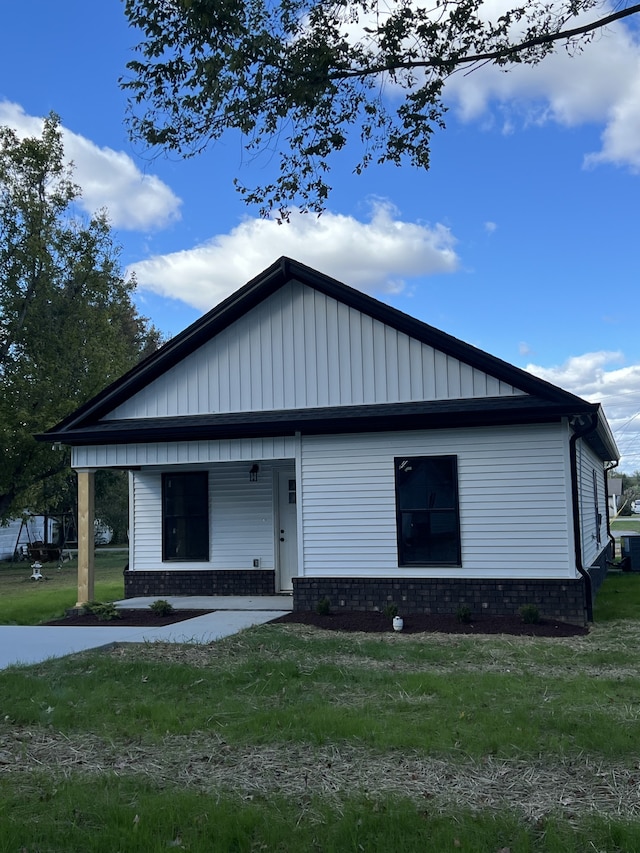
[514,494]
[240,520]
[589,463]
[183,452]
[302,349]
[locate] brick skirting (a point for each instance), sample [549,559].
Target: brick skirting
[555,599]
[199,582]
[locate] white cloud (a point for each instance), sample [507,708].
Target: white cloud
[375,256]
[109,179]
[595,377]
[599,84]
[621,138]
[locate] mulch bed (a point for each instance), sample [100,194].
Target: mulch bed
[350,620]
[130,619]
[374,622]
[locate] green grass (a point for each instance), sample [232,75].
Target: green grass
[112,814]
[27,602]
[284,738]
[630,522]
[618,598]
[273,693]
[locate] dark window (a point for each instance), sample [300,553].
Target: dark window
[427,511]
[185,516]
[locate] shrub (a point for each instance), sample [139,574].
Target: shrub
[391,610]
[323,607]
[530,614]
[104,611]
[463,614]
[161,607]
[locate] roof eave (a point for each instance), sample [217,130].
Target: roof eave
[312,422]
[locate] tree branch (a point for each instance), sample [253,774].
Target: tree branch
[502,53]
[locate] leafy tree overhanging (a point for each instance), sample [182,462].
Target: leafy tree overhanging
[299,78]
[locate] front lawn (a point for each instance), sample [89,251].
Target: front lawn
[27,602]
[289,738]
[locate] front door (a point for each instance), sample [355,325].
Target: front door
[286,530]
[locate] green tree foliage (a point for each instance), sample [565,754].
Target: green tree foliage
[299,78]
[68,326]
[112,503]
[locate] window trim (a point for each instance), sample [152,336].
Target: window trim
[202,517]
[402,561]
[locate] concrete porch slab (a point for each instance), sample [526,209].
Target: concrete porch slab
[212,602]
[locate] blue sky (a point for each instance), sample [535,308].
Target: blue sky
[522,239]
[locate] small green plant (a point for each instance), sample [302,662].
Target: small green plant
[161,607]
[104,611]
[463,614]
[323,607]
[530,614]
[391,610]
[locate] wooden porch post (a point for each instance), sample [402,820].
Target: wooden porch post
[86,536]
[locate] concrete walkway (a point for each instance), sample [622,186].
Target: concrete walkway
[20,644]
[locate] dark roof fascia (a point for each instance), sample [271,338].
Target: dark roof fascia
[259,289]
[602,440]
[367,418]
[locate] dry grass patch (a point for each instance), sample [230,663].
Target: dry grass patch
[571,789]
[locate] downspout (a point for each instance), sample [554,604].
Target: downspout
[610,536]
[580,433]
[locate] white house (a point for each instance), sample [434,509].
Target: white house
[303,437]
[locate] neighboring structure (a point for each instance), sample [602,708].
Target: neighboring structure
[304,437]
[19,533]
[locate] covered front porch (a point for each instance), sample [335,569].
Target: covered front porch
[214,529]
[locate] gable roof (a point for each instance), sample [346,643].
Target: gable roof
[541,400]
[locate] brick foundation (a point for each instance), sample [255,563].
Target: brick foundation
[561,600]
[199,582]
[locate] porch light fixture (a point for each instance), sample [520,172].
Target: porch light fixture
[253,473]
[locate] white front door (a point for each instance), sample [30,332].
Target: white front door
[286,530]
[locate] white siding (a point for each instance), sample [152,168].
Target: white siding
[513,490]
[181,453]
[241,519]
[588,463]
[302,349]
